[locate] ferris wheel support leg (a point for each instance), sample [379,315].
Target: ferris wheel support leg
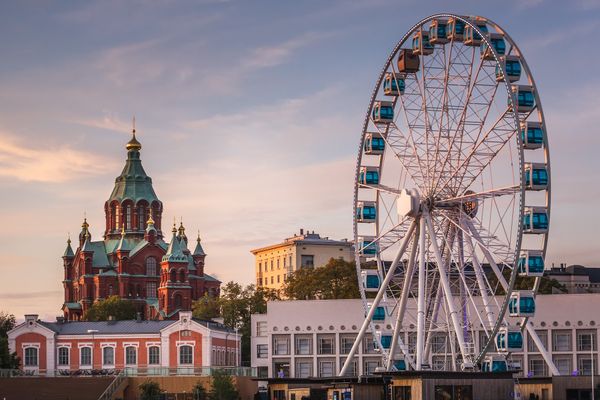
[447,291]
[534,336]
[378,297]
[410,270]
[422,296]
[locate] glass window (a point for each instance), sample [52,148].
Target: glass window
[537,367]
[346,343]
[108,356]
[585,340]
[151,291]
[262,351]
[444,392]
[584,365]
[561,340]
[304,368]
[130,355]
[352,368]
[564,365]
[438,343]
[370,366]
[85,356]
[304,345]
[326,344]
[307,261]
[326,368]
[185,355]
[369,345]
[543,335]
[154,355]
[128,221]
[63,356]
[31,357]
[281,344]
[261,328]
[151,266]
[282,369]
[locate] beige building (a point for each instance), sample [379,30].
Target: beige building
[307,250]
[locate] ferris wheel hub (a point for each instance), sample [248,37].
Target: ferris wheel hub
[408,203]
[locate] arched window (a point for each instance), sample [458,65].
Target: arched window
[117,216]
[108,356]
[63,356]
[141,217]
[151,290]
[151,266]
[186,356]
[31,357]
[173,277]
[113,216]
[154,355]
[110,290]
[128,216]
[130,355]
[85,356]
[181,275]
[178,300]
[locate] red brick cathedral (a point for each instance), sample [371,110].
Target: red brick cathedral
[133,260]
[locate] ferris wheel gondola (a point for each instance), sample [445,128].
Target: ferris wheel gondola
[451,199]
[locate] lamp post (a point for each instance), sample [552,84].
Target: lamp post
[92,331]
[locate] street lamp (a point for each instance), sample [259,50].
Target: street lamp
[92,331]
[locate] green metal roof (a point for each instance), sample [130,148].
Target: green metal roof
[133,183]
[174,251]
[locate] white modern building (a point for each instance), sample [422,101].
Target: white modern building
[306,338]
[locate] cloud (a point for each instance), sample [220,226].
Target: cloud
[109,121]
[25,162]
[30,295]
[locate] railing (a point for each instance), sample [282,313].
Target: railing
[113,387]
[151,371]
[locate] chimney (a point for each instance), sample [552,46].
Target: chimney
[31,319]
[301,231]
[60,320]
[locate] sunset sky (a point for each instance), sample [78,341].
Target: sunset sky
[249,113]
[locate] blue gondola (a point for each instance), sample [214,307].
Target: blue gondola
[369,176]
[400,365]
[437,31]
[532,135]
[524,97]
[521,304]
[370,280]
[379,314]
[536,176]
[383,112]
[494,364]
[535,220]
[386,341]
[374,143]
[456,29]
[513,69]
[509,340]
[421,44]
[472,37]
[531,263]
[497,42]
[367,246]
[393,84]
[366,211]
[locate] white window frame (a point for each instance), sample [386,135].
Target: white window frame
[35,346]
[179,345]
[68,364]
[150,346]
[114,354]
[329,362]
[125,347]
[258,352]
[86,346]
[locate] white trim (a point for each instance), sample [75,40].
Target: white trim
[89,346]
[68,345]
[68,364]
[108,344]
[185,342]
[150,344]
[25,345]
[148,347]
[113,346]
[131,344]
[86,344]
[109,336]
[125,347]
[179,345]
[36,346]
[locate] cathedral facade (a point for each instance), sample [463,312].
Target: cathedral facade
[133,260]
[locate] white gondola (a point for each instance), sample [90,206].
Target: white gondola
[509,340]
[535,220]
[471,37]
[531,263]
[366,211]
[383,112]
[524,96]
[421,45]
[536,176]
[374,143]
[532,135]
[394,84]
[370,280]
[512,64]
[369,176]
[367,246]
[521,304]
[497,42]
[438,31]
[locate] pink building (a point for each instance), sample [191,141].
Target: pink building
[158,347]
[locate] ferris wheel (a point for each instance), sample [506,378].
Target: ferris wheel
[451,200]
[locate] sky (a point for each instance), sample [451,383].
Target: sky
[250,115]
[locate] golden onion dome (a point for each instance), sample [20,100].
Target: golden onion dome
[133,144]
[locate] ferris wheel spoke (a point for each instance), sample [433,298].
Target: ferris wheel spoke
[487,194]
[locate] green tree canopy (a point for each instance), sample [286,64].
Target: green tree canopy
[223,387]
[8,360]
[335,280]
[200,392]
[149,390]
[112,306]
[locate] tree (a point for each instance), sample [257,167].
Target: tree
[149,390]
[223,387]
[335,280]
[8,360]
[199,392]
[206,308]
[112,306]
[235,305]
